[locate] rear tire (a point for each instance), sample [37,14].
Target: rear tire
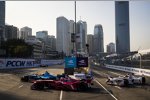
[143,80]
[37,86]
[126,82]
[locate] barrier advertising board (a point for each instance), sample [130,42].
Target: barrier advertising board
[51,62]
[137,71]
[18,63]
[70,62]
[82,61]
[2,63]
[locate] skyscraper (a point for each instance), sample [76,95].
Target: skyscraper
[62,35]
[41,34]
[11,32]
[98,39]
[90,41]
[111,48]
[51,41]
[122,26]
[2,20]
[81,35]
[25,32]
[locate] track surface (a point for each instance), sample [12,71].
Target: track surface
[12,89]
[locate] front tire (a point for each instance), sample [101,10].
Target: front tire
[82,87]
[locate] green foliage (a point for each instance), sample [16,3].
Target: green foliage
[17,48]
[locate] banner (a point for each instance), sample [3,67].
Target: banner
[19,63]
[82,61]
[137,71]
[51,62]
[70,62]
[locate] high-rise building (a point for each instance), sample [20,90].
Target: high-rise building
[38,47]
[90,41]
[111,48]
[122,26]
[25,32]
[81,36]
[98,39]
[41,34]
[2,20]
[51,41]
[71,31]
[11,32]
[62,35]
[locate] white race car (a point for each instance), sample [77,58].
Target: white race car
[126,80]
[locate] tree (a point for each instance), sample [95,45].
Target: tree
[17,48]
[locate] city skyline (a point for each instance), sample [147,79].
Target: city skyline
[139,31]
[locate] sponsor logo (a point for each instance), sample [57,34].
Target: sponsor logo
[19,63]
[70,61]
[82,61]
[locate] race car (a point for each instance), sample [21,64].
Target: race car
[33,77]
[62,84]
[86,77]
[126,80]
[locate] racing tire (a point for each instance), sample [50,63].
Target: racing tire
[48,86]
[37,86]
[82,87]
[126,82]
[25,79]
[143,80]
[107,81]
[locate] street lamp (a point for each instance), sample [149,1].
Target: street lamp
[140,60]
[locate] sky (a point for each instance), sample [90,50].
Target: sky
[41,15]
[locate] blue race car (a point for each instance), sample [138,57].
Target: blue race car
[33,77]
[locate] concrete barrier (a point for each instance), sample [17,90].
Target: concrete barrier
[51,62]
[137,71]
[16,63]
[26,63]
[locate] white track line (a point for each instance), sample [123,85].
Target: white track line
[118,87]
[106,90]
[5,74]
[61,93]
[20,86]
[95,71]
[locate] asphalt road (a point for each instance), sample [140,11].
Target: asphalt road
[11,88]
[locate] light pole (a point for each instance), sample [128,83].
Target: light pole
[140,60]
[75,30]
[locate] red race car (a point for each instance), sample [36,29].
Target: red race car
[62,84]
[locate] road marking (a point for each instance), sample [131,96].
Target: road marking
[99,73]
[61,93]
[118,87]
[115,73]
[106,90]
[20,86]
[5,74]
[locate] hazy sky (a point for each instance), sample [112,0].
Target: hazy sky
[41,15]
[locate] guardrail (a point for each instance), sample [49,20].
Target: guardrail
[137,71]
